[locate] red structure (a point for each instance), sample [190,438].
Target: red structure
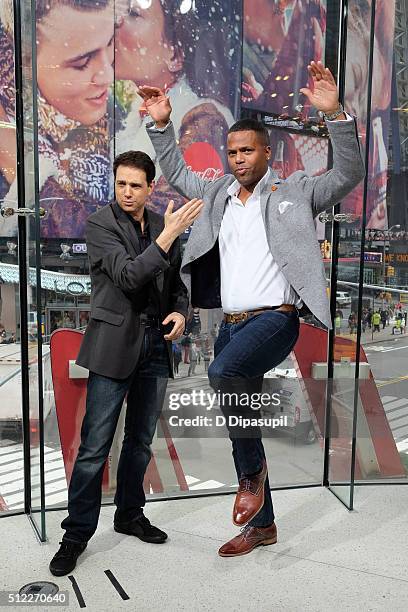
[70,398]
[377,445]
[70,401]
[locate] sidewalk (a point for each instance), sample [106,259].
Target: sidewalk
[368,337]
[326,560]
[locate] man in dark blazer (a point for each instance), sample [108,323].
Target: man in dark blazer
[135,261]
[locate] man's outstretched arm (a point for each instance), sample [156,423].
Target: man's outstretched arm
[161,133]
[348,166]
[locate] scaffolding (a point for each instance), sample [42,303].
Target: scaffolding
[401,69]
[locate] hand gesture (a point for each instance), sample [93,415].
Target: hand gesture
[156,103]
[324,96]
[178,327]
[177,222]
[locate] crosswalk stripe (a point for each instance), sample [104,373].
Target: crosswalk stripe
[190,479]
[19,473]
[400,426]
[16,485]
[5,469]
[58,496]
[402,446]
[207,484]
[10,457]
[388,398]
[10,453]
[49,488]
[398,417]
[396,404]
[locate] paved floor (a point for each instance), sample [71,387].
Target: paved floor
[326,559]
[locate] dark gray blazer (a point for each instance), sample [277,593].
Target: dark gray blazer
[113,338]
[288,209]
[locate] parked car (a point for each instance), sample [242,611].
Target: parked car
[292,404]
[10,392]
[343,298]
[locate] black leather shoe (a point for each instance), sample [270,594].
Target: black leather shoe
[142,529]
[64,561]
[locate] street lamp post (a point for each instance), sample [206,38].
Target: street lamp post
[384,280]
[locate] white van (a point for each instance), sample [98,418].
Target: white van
[292,404]
[343,298]
[10,391]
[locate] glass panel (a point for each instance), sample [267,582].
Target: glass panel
[36,356]
[347,247]
[11,433]
[80,127]
[384,422]
[189,463]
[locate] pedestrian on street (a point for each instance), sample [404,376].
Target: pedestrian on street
[376,320]
[193,359]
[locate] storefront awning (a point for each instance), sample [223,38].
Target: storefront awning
[60,282]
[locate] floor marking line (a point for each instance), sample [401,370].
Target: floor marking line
[117,585]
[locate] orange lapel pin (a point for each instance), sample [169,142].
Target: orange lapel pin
[273,188]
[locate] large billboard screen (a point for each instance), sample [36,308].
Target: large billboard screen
[91,56]
[280,38]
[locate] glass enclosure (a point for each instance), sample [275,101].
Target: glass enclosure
[69,103]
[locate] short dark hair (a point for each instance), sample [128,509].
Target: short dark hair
[136,159]
[43,7]
[251,125]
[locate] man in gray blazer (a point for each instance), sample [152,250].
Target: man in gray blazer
[254,251]
[134,257]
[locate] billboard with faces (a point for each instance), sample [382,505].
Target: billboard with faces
[91,57]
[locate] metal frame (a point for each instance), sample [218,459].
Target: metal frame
[22,236]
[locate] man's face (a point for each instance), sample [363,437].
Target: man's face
[75,61]
[131,189]
[142,51]
[247,157]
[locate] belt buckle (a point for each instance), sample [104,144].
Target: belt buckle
[241,316]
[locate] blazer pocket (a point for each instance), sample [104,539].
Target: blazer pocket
[283,206]
[108,316]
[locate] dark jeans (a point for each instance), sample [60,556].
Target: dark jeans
[243,353]
[146,388]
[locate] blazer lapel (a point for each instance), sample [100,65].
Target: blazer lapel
[270,193]
[127,228]
[219,208]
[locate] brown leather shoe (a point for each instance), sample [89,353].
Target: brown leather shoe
[248,539]
[250,497]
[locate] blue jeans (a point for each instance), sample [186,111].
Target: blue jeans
[145,389]
[243,352]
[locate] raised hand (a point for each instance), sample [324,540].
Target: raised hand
[156,103]
[324,96]
[175,223]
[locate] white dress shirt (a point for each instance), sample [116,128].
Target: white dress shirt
[250,278]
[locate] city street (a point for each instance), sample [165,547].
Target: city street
[207,462]
[389,364]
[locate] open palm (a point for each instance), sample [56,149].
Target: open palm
[156,103]
[324,96]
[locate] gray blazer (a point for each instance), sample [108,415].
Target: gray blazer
[290,229]
[113,338]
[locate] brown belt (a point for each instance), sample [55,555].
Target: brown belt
[236,317]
